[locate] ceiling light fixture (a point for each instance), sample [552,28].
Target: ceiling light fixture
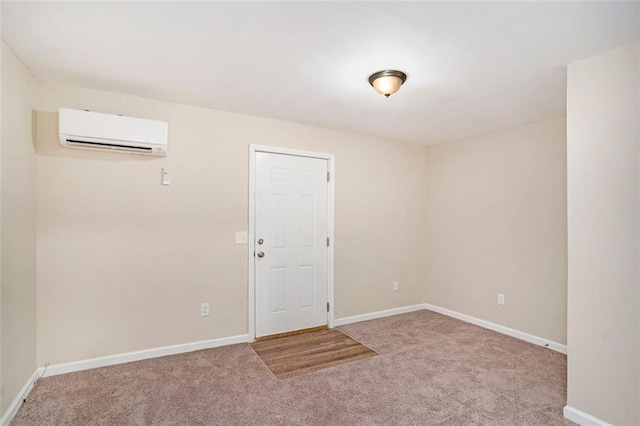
[387,82]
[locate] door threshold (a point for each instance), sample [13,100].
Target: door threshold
[291,333]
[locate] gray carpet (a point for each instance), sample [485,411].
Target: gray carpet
[432,370]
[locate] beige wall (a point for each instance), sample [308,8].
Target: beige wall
[124,262]
[18,228]
[603,184]
[496,223]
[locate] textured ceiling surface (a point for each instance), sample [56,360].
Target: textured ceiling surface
[473,67]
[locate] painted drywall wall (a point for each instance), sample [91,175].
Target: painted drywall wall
[496,223]
[18,227]
[603,184]
[124,262]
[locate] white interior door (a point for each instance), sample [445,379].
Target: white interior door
[291,233]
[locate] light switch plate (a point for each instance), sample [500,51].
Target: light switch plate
[166,176]
[241,237]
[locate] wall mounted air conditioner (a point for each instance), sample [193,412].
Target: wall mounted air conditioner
[112,132]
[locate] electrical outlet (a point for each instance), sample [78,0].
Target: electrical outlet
[500,299]
[204,309]
[396,286]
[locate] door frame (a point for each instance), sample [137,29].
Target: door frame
[253,149]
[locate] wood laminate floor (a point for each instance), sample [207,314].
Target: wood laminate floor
[303,353]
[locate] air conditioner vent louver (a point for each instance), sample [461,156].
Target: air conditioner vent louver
[106,146]
[111,132]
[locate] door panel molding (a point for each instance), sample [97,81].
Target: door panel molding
[253,149]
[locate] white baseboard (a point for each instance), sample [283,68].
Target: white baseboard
[17,402]
[558,347]
[379,314]
[582,418]
[54,370]
[105,361]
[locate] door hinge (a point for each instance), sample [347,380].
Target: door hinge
[327,241]
[328,177]
[327,306]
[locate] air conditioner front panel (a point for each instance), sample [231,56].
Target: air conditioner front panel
[93,130]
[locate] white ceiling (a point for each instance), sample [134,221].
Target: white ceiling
[473,67]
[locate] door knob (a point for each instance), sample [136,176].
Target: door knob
[260,241]
[260,254]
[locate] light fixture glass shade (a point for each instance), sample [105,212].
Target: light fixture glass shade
[387,85]
[387,82]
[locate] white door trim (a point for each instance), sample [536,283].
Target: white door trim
[251,237]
